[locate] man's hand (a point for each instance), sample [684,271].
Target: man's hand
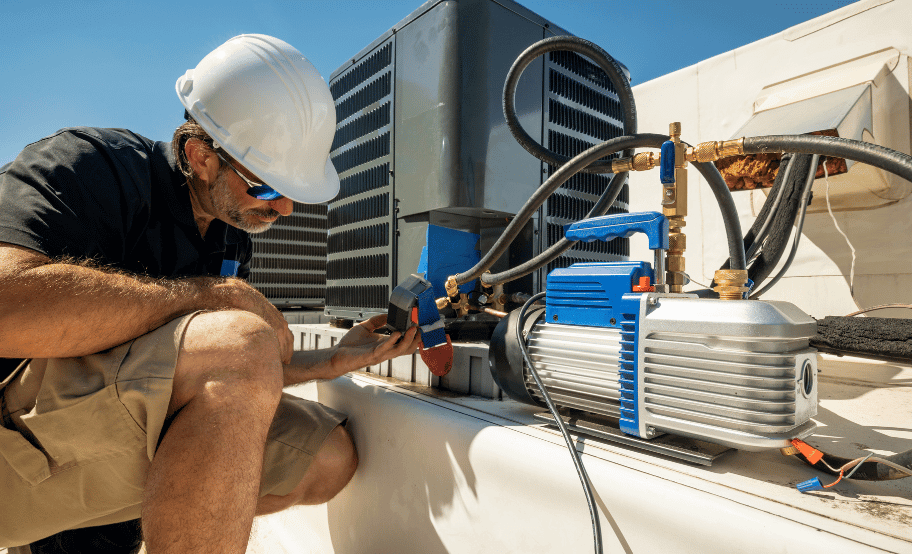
[361,347]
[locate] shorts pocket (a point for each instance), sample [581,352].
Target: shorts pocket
[88,429]
[28,462]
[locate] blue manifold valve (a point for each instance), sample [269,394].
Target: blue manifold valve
[613,344]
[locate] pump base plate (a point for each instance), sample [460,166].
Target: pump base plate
[682,448]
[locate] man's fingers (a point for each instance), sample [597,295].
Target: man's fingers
[374,323]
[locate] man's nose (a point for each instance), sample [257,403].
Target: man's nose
[282,205]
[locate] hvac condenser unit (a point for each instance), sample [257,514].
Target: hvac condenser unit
[421,143]
[289,260]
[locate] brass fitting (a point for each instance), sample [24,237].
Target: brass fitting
[789,451]
[452,289]
[730,283]
[712,151]
[497,298]
[643,161]
[442,303]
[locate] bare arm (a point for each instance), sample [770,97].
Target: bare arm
[52,310]
[359,348]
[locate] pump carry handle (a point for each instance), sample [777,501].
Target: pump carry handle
[653,224]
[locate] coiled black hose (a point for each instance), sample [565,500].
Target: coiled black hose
[729,213]
[597,55]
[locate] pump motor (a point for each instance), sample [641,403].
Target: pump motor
[734,372]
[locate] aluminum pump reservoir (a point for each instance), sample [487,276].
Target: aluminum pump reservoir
[734,372]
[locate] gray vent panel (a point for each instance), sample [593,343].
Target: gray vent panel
[360,247]
[289,260]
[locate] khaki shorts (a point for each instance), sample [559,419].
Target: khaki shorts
[76,454]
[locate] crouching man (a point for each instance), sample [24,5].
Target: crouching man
[144,375]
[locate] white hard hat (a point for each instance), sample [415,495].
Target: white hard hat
[267,106]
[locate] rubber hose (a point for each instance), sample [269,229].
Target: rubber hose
[729,213]
[834,147]
[799,226]
[869,471]
[781,228]
[707,170]
[593,52]
[601,208]
[559,177]
[758,232]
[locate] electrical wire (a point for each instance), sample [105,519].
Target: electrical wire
[803,206]
[759,237]
[826,176]
[881,307]
[577,459]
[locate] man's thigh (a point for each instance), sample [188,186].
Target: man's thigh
[82,454]
[79,450]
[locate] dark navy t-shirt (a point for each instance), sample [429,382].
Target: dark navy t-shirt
[117,198]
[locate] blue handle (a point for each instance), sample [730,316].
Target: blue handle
[653,224]
[667,163]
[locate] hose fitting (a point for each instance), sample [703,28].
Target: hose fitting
[715,150]
[643,161]
[731,283]
[452,289]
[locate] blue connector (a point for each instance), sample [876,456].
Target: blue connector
[810,485]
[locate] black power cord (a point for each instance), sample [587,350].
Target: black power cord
[577,459]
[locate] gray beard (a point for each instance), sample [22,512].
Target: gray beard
[222,200]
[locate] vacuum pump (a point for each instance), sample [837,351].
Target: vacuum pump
[734,372]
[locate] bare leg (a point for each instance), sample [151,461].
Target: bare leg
[202,488]
[332,469]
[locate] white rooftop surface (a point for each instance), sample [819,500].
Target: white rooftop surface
[458,473]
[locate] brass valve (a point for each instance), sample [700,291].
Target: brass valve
[674,207]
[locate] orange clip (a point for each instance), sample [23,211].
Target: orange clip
[439,359]
[415,316]
[812,454]
[644,285]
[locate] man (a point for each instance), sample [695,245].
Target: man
[152,380]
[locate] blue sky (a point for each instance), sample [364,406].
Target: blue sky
[114,63]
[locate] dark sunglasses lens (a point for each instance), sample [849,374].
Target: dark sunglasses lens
[263,192]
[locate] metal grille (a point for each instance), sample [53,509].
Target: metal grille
[725,385]
[289,260]
[578,365]
[582,110]
[359,246]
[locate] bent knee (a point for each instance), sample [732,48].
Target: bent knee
[228,352]
[331,470]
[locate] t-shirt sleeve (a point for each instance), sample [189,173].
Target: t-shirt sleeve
[64,196]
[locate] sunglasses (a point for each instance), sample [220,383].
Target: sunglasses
[260,191]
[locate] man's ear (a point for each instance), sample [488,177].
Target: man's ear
[203,161]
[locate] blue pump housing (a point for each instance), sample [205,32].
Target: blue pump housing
[592,293]
[601,295]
